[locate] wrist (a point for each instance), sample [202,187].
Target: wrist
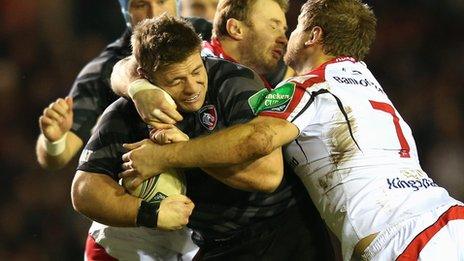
[55,148]
[138,86]
[147,215]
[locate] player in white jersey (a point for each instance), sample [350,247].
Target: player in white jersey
[346,141]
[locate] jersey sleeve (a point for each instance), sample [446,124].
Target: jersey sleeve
[91,93]
[103,152]
[291,101]
[233,97]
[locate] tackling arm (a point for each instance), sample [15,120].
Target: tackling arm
[124,72]
[236,145]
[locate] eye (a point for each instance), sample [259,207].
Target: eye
[139,4]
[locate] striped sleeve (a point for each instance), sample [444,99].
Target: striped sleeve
[103,152]
[292,100]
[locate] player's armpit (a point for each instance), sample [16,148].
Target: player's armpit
[72,146]
[263,174]
[124,72]
[100,198]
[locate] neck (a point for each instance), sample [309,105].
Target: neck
[312,63]
[231,48]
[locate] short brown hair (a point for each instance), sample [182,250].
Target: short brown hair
[162,41]
[348,25]
[237,9]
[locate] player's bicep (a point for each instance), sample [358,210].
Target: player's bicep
[278,132]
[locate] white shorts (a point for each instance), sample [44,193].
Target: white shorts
[138,243]
[435,235]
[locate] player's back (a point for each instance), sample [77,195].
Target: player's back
[355,153]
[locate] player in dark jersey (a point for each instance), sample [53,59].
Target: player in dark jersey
[66,124]
[229,223]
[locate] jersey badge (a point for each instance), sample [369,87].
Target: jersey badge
[275,100]
[208,117]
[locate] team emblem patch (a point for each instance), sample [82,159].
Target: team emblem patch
[208,117]
[275,100]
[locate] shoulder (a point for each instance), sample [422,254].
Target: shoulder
[219,70]
[121,116]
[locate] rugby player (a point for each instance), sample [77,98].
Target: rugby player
[345,140]
[66,124]
[212,94]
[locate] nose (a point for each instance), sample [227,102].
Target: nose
[190,86]
[282,38]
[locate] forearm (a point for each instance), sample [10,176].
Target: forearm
[124,72]
[54,162]
[235,145]
[100,198]
[264,174]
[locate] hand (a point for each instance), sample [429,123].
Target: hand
[174,212]
[141,162]
[166,136]
[155,109]
[57,119]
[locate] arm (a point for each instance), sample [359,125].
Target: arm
[235,145]
[100,198]
[57,145]
[153,104]
[54,162]
[124,72]
[264,174]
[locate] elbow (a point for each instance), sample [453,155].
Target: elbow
[270,184]
[259,142]
[78,194]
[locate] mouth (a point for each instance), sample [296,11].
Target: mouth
[192,99]
[277,53]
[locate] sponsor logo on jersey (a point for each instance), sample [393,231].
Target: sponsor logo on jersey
[208,117]
[275,100]
[364,82]
[414,184]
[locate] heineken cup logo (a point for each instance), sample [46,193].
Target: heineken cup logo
[275,100]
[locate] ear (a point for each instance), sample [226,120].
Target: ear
[142,73]
[315,36]
[234,28]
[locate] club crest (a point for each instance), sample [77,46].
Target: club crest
[208,117]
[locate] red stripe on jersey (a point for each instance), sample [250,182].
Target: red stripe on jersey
[418,243]
[301,87]
[95,252]
[303,83]
[404,152]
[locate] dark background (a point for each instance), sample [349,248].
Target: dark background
[418,57]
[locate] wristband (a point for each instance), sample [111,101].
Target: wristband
[141,85]
[56,147]
[147,216]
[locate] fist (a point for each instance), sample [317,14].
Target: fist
[174,212]
[166,136]
[57,119]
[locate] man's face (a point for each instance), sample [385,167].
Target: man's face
[143,9]
[264,41]
[185,81]
[199,8]
[296,55]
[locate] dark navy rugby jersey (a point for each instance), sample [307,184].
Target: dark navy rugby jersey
[91,91]
[220,211]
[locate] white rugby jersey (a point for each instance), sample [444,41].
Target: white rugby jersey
[354,153]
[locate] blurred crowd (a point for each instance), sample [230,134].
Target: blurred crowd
[418,57]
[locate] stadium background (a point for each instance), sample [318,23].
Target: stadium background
[418,57]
